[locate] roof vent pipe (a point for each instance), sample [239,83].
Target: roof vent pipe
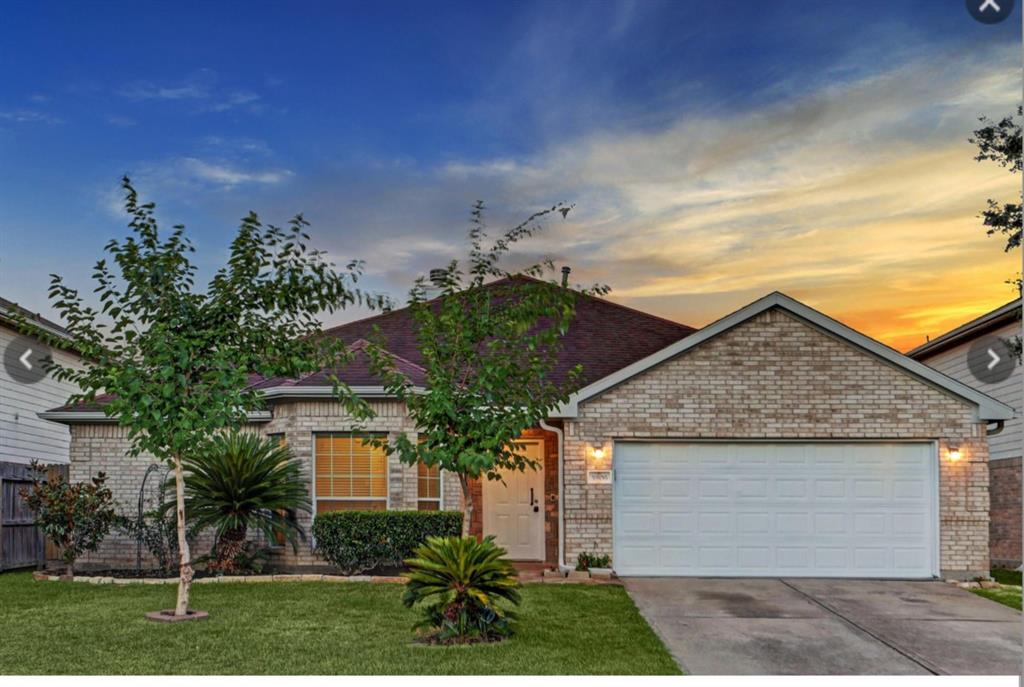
[436,284]
[565,275]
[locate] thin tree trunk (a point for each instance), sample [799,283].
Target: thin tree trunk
[467,501]
[184,567]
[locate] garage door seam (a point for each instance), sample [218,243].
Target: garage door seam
[903,652]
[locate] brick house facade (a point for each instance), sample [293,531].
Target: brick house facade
[774,377]
[776,370]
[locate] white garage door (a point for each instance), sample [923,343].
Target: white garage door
[776,509]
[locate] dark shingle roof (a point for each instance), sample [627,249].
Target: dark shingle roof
[603,337]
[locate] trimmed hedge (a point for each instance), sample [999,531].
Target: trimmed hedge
[359,540]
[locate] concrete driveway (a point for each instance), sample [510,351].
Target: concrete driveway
[716,626]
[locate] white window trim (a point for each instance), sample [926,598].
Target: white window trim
[440,487]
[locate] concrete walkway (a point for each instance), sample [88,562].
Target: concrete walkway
[716,626]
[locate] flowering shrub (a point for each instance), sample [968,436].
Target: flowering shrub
[75,517]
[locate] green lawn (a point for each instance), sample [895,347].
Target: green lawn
[308,628]
[1008,596]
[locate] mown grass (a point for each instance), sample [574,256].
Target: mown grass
[308,628]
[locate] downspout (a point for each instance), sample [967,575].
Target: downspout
[561,492]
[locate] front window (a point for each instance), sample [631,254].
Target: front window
[350,473]
[428,487]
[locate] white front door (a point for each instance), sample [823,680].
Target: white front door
[514,510]
[783,509]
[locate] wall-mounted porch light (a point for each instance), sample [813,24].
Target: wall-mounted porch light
[953,453]
[597,457]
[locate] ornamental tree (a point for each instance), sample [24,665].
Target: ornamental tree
[173,362]
[489,342]
[75,517]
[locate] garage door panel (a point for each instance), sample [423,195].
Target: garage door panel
[800,509]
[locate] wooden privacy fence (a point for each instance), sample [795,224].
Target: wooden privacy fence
[21,543]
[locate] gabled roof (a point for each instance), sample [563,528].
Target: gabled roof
[988,407]
[969,331]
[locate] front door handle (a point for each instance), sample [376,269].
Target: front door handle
[531,496]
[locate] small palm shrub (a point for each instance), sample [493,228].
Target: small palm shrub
[458,583]
[244,482]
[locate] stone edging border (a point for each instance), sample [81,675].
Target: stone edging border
[549,577]
[225,579]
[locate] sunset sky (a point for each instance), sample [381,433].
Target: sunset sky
[715,151]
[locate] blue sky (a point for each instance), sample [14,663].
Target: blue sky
[715,151]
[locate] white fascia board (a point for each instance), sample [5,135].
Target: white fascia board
[988,407]
[968,331]
[93,416]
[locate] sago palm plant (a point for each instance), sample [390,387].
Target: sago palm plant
[458,582]
[245,482]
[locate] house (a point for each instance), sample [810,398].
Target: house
[775,441]
[948,354]
[26,391]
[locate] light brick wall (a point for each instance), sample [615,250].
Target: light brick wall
[773,377]
[776,377]
[104,447]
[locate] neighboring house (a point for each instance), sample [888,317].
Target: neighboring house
[948,354]
[775,441]
[24,436]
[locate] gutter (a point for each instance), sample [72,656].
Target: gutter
[98,416]
[561,492]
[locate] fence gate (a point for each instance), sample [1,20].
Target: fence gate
[21,544]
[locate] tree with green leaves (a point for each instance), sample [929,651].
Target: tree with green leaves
[175,363]
[489,342]
[74,516]
[1000,142]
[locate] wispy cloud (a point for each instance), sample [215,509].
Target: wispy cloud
[860,197]
[227,175]
[202,88]
[121,121]
[26,116]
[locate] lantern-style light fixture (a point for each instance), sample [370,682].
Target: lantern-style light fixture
[954,453]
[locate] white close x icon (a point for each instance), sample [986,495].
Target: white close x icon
[990,4]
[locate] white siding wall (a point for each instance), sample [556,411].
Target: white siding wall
[23,436]
[953,362]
